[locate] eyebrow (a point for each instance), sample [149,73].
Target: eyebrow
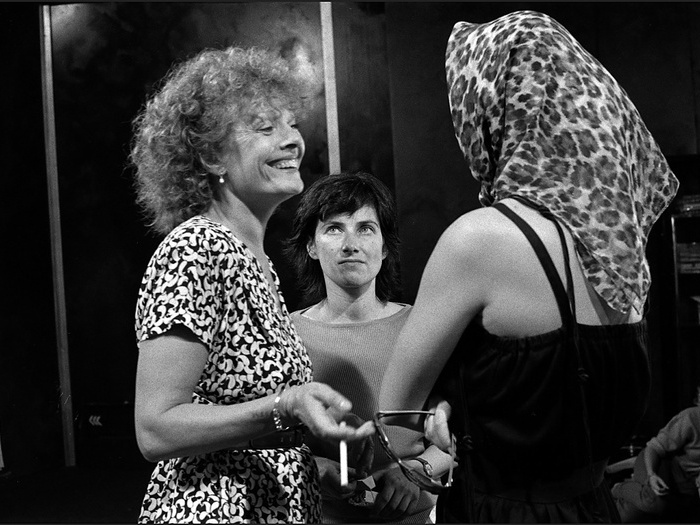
[333,222]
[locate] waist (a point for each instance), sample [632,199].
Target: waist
[579,482]
[291,438]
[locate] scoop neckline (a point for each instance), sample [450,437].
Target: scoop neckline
[403,310]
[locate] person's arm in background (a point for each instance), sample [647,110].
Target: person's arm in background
[670,439]
[169,424]
[651,462]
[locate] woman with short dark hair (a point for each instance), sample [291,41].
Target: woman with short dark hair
[345,250]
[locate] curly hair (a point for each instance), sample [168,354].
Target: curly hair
[184,124]
[336,194]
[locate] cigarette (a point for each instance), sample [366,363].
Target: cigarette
[343,460]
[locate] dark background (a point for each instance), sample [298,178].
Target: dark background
[394,121]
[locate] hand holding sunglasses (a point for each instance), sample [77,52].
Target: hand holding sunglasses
[424,476]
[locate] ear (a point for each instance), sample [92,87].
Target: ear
[213,166]
[311,248]
[385,252]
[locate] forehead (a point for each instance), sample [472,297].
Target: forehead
[363,214]
[264,110]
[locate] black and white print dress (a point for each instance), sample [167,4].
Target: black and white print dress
[204,278]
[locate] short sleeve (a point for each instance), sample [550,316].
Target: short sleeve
[183,285]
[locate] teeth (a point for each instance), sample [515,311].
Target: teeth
[281,164]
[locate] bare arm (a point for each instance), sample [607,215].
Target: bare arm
[169,425]
[452,291]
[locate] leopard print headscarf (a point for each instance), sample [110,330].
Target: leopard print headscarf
[538,117]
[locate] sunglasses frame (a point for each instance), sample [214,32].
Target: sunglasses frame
[418,478]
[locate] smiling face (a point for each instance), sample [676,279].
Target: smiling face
[262,158]
[350,250]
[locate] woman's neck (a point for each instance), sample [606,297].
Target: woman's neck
[343,306]
[237,217]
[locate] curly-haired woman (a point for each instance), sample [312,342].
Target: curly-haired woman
[223,382]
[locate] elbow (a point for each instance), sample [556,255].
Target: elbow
[152,448]
[149,454]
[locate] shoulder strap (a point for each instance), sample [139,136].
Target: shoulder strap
[567,311]
[564,299]
[541,250]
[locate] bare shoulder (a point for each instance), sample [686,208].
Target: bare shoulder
[478,234]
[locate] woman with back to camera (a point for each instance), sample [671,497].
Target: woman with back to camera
[538,297]
[223,381]
[345,250]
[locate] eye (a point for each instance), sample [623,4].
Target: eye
[333,228]
[367,228]
[267,130]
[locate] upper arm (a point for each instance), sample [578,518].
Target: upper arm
[168,369]
[454,288]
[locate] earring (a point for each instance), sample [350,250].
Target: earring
[221,178]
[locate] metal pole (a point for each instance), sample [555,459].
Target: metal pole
[330,87]
[55,230]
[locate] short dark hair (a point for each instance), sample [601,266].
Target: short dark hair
[334,194]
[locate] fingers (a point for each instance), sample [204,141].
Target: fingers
[658,485]
[321,408]
[364,431]
[397,496]
[398,506]
[362,455]
[445,408]
[329,475]
[335,402]
[437,430]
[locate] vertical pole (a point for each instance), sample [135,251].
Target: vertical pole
[55,231]
[330,87]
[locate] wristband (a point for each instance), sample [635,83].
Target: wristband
[427,467]
[276,417]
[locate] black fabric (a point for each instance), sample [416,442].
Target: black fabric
[525,413]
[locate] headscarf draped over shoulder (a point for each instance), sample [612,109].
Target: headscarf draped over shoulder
[538,117]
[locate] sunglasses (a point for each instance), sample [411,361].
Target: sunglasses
[425,482]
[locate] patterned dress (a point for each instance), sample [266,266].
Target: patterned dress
[204,278]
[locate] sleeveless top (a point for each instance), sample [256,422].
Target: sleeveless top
[535,443]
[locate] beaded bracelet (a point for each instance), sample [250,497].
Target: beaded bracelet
[276,417]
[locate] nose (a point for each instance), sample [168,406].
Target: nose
[292,139]
[349,244]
